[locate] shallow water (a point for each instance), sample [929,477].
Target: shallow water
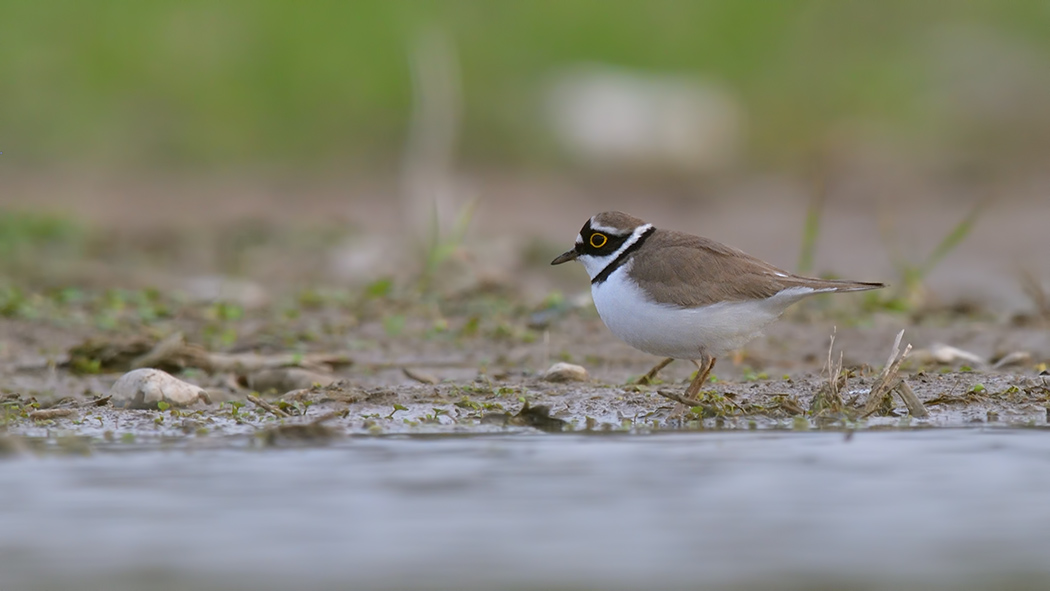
[932,508]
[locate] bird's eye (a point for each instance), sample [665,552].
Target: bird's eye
[598,240]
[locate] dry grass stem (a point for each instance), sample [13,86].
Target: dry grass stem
[415,362]
[267,406]
[51,413]
[1033,288]
[829,396]
[915,406]
[887,379]
[173,351]
[422,378]
[170,347]
[678,398]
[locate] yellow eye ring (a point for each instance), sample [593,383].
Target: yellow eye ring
[598,240]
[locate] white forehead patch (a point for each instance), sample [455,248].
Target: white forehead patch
[606,229]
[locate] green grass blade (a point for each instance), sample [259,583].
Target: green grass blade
[952,239]
[811,230]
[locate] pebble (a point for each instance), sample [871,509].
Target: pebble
[946,355]
[1015,358]
[144,388]
[565,372]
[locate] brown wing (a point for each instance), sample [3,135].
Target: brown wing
[691,271]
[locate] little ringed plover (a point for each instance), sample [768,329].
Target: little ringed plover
[681,296]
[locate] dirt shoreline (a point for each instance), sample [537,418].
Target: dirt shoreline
[275,271]
[485,387]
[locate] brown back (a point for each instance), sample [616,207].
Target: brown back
[691,271]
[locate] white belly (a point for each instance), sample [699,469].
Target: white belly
[682,333]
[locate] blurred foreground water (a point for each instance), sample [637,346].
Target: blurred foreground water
[893,509]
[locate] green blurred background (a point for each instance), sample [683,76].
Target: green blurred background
[194,85]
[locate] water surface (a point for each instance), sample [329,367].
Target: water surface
[943,508]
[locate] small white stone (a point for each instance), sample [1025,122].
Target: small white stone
[947,354]
[1015,358]
[144,388]
[565,372]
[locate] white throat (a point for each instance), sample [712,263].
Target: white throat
[595,264]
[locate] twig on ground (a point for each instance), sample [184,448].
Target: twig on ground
[915,406]
[335,414]
[678,398]
[100,401]
[267,406]
[729,399]
[422,378]
[399,364]
[167,349]
[50,413]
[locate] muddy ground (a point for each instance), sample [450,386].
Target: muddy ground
[345,326]
[488,383]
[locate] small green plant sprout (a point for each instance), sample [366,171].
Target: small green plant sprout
[466,403]
[379,289]
[85,365]
[227,311]
[23,235]
[750,375]
[397,407]
[295,407]
[442,245]
[978,389]
[470,327]
[15,303]
[435,417]
[394,324]
[440,325]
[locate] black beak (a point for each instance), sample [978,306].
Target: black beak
[566,257]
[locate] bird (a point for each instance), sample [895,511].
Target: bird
[681,296]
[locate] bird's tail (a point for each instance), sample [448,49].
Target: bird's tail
[842,285]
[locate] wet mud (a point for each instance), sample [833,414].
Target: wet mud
[453,384]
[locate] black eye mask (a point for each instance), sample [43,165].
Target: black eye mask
[597,243]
